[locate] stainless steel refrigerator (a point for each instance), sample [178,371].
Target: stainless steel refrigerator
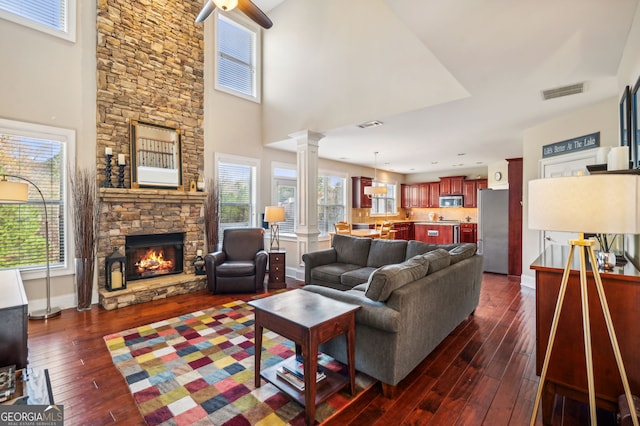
[493,229]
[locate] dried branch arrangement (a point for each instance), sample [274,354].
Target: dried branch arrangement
[211,216]
[85,212]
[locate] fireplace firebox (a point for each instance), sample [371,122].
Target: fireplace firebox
[153,255]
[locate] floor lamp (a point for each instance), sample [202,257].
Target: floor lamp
[601,204]
[273,215]
[17,192]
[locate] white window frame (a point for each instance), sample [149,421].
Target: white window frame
[243,161]
[391,194]
[289,181]
[67,137]
[68,33]
[345,195]
[236,19]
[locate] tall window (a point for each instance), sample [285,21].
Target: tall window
[286,196]
[331,199]
[384,204]
[237,69]
[36,153]
[56,17]
[237,193]
[331,202]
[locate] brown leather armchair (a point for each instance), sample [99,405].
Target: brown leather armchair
[240,266]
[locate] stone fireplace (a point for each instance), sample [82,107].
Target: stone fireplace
[137,220]
[154,255]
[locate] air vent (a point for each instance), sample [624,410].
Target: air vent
[559,92]
[373,123]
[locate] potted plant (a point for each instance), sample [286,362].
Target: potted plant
[85,209]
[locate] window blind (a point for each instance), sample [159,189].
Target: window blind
[235,191]
[22,226]
[55,17]
[236,57]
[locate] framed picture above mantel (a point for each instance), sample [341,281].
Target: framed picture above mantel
[156,156]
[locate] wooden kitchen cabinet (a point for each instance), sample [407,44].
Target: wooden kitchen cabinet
[433,234]
[410,195]
[434,195]
[404,230]
[358,199]
[451,185]
[566,374]
[468,233]
[423,189]
[470,193]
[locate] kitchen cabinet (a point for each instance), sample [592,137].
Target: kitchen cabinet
[410,196]
[470,191]
[468,233]
[451,185]
[434,234]
[404,230]
[423,190]
[358,199]
[482,183]
[434,195]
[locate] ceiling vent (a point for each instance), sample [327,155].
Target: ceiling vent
[559,92]
[373,123]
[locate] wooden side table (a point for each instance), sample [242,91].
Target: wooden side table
[277,267]
[307,319]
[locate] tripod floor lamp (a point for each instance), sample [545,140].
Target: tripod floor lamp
[17,192]
[600,204]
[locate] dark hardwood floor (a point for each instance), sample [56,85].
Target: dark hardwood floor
[483,373]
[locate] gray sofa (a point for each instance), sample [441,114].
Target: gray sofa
[412,295]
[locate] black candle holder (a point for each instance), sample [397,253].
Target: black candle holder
[107,171]
[120,175]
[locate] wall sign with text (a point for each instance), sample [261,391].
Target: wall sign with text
[571,145]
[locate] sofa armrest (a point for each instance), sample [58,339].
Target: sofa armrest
[261,268]
[373,314]
[317,258]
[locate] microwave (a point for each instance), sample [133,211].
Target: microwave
[451,201]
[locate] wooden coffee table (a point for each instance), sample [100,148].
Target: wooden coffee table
[308,319]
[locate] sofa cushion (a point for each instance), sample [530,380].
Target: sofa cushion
[438,259]
[386,279]
[386,252]
[415,248]
[332,272]
[351,250]
[461,252]
[357,276]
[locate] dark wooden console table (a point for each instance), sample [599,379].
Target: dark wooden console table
[14,318]
[567,367]
[307,319]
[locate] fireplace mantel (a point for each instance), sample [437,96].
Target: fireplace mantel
[150,195]
[136,211]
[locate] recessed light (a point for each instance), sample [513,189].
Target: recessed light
[372,123]
[461,154]
[434,162]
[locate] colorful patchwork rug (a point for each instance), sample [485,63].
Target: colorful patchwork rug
[198,369]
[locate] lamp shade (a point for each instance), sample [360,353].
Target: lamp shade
[273,214]
[13,192]
[604,204]
[375,190]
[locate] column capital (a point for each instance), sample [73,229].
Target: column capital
[305,137]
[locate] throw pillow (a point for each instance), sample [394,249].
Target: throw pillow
[463,251]
[438,259]
[387,279]
[351,250]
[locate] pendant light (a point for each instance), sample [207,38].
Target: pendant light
[372,191]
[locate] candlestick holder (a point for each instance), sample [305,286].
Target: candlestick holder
[107,171]
[120,175]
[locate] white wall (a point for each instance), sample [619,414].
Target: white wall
[50,81]
[602,117]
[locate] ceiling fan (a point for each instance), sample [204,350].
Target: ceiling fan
[246,6]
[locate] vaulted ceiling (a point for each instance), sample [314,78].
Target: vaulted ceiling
[454,83]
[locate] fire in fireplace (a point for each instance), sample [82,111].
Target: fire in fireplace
[153,255]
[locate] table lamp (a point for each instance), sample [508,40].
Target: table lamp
[273,215]
[601,204]
[17,192]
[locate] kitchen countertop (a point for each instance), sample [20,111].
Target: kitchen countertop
[420,222]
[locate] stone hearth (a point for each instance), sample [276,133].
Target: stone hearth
[150,211]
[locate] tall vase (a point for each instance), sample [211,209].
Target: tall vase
[84,282]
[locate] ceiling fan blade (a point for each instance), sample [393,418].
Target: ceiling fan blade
[207,10]
[252,11]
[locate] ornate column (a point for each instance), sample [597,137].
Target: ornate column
[307,208]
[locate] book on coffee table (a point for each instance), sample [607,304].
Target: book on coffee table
[7,382]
